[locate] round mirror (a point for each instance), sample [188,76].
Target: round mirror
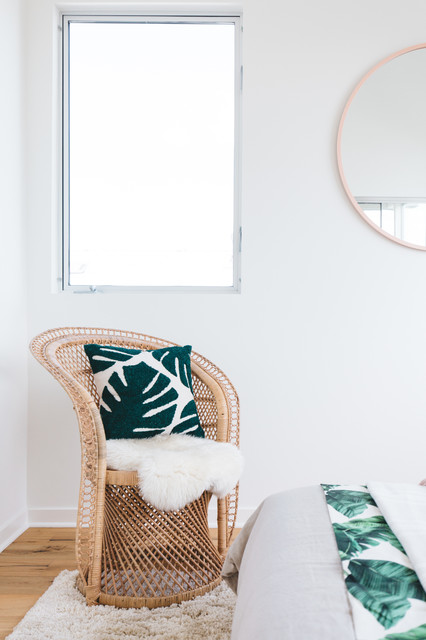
[382,147]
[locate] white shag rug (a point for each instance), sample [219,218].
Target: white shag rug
[175,469]
[62,614]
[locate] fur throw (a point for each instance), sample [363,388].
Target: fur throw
[175,469]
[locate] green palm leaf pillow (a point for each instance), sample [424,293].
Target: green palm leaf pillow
[144,393]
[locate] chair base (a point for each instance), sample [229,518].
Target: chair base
[150,603]
[153,558]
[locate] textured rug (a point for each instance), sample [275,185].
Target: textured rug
[61,614]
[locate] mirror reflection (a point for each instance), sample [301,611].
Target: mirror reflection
[383,147]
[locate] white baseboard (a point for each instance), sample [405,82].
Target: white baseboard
[52,517]
[67,517]
[12,529]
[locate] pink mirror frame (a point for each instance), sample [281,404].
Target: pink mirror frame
[339,146]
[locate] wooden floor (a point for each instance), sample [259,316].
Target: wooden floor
[28,567]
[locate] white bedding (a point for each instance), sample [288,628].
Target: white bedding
[404,509]
[287,572]
[286,569]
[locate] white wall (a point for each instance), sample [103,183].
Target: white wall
[13,322]
[326,343]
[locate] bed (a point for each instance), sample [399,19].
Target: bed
[292,578]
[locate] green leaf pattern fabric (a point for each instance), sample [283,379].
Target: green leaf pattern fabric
[358,534]
[144,393]
[419,633]
[387,600]
[349,503]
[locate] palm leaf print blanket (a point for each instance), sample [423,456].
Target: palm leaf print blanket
[387,598]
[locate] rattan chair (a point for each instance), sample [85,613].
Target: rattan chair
[130,554]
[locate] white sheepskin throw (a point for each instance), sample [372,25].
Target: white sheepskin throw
[176,469]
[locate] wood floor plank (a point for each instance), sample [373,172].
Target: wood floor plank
[12,608]
[30,564]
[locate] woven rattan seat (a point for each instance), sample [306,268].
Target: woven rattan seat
[130,554]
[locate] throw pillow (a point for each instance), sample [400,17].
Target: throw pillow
[144,393]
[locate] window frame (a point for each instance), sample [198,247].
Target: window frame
[398,203]
[209,18]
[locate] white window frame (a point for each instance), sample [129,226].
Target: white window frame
[399,210]
[209,18]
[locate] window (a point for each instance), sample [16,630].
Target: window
[403,218]
[151,152]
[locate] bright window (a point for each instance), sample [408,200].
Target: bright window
[403,218]
[151,152]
